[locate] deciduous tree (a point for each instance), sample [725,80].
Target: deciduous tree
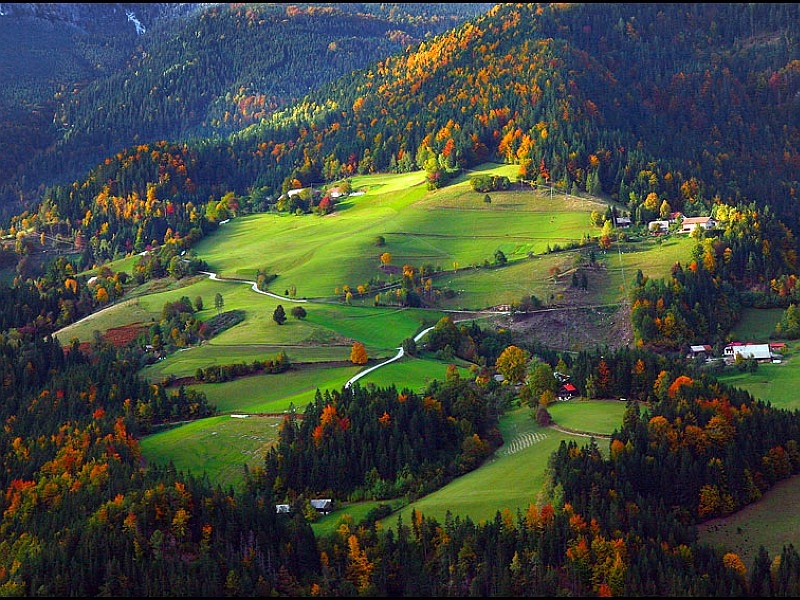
[358,354]
[512,364]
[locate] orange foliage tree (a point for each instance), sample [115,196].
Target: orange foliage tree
[358,354]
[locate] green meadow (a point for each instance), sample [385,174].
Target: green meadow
[454,233]
[445,230]
[514,478]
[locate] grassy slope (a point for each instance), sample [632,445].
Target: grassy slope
[448,226]
[318,254]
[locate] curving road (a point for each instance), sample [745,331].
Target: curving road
[357,376]
[253,284]
[398,356]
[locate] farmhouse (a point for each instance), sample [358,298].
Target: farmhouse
[689,223]
[335,192]
[567,391]
[322,505]
[623,222]
[759,352]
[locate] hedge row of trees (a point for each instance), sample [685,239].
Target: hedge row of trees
[220,373]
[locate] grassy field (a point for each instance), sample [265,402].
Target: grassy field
[593,416]
[218,446]
[446,229]
[776,383]
[456,233]
[514,478]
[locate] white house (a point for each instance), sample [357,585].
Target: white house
[689,223]
[295,191]
[623,222]
[323,505]
[760,352]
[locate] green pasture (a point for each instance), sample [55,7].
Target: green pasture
[777,384]
[326,334]
[513,478]
[219,447]
[593,416]
[376,327]
[654,257]
[412,373]
[757,325]
[275,393]
[186,362]
[486,287]
[381,329]
[443,229]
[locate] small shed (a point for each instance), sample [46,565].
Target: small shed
[700,351]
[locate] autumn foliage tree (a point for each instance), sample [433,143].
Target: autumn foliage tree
[358,354]
[512,364]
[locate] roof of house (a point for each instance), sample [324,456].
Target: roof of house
[756,351]
[696,220]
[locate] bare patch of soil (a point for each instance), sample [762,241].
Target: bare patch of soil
[576,328]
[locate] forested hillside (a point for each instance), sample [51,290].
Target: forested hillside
[91,86]
[703,121]
[657,108]
[52,51]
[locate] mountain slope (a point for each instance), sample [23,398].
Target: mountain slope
[615,100]
[98,84]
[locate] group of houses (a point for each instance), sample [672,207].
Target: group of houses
[323,506]
[744,350]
